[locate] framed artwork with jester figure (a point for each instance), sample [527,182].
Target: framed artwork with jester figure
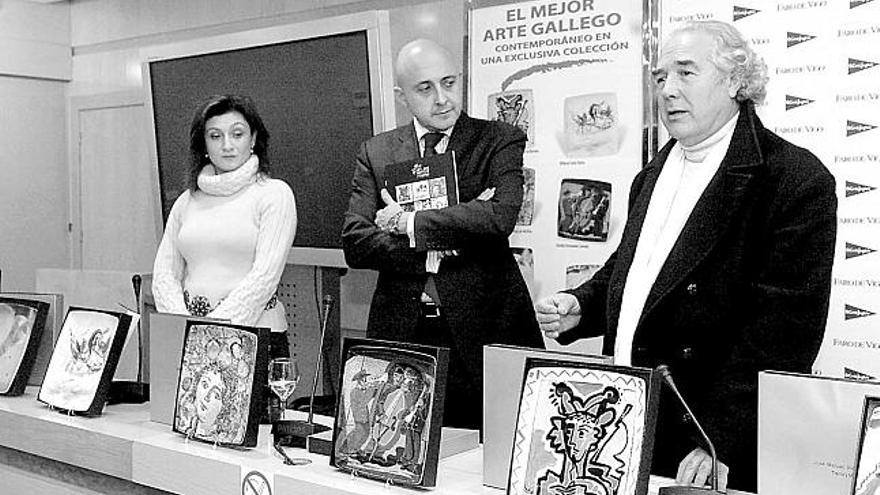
[389,412]
[583,428]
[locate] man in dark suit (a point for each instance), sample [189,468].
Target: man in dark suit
[724,265]
[446,276]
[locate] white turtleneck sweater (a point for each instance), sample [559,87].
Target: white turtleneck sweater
[228,242]
[684,177]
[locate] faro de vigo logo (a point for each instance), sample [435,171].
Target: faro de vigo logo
[851,312]
[793,39]
[854,250]
[742,12]
[854,65]
[854,188]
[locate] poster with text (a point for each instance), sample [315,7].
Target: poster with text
[570,75]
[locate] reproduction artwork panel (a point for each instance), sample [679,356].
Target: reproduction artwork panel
[21,327]
[591,125]
[84,360]
[527,210]
[222,370]
[584,207]
[517,108]
[583,428]
[867,465]
[390,410]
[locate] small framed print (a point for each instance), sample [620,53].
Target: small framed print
[389,411]
[84,360]
[583,428]
[222,371]
[21,327]
[867,465]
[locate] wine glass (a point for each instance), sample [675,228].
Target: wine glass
[283,378]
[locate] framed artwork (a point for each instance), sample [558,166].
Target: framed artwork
[584,209]
[583,428]
[390,410]
[21,327]
[84,360]
[219,389]
[867,465]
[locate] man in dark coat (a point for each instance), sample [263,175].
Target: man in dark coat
[446,276]
[724,266]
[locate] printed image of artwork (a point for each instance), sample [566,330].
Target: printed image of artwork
[218,393]
[591,126]
[421,195]
[21,326]
[525,259]
[389,412]
[583,428]
[515,107]
[527,210]
[575,275]
[867,465]
[84,360]
[584,209]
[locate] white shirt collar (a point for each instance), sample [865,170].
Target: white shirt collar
[422,130]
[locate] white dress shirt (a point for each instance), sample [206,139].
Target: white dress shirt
[683,179]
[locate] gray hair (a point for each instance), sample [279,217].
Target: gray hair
[734,56]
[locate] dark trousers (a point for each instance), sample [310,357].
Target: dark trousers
[464,392]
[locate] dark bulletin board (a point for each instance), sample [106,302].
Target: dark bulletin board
[314,97]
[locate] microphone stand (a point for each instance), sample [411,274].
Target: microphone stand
[135,392]
[663,370]
[295,432]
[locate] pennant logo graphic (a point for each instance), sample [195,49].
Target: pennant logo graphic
[796,101]
[797,38]
[743,12]
[856,375]
[856,3]
[850,312]
[854,65]
[853,127]
[853,188]
[854,250]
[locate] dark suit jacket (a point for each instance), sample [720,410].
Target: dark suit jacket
[484,296]
[744,289]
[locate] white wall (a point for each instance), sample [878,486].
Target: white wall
[34,65]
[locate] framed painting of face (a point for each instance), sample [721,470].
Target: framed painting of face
[219,389]
[867,465]
[583,428]
[84,360]
[389,412]
[21,327]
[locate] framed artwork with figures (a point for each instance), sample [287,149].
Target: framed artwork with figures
[84,360]
[22,322]
[583,428]
[219,390]
[389,412]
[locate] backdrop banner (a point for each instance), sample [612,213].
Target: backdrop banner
[824,95]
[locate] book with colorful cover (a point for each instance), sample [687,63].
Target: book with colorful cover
[426,183]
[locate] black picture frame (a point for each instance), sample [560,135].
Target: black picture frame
[84,360]
[391,429]
[219,398]
[22,322]
[866,468]
[561,397]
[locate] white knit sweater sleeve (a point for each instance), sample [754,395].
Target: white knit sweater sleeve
[169,267]
[276,216]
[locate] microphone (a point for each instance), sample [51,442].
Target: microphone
[663,370]
[136,285]
[326,306]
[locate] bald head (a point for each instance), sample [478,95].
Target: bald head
[428,84]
